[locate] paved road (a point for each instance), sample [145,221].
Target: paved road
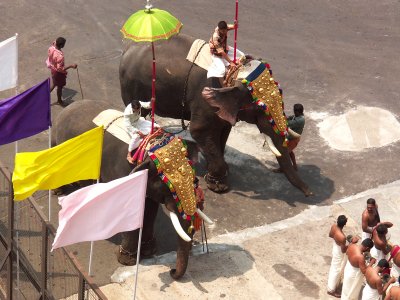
[332,56]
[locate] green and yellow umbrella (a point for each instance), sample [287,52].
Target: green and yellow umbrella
[150,25]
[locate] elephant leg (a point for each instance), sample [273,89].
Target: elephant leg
[128,250]
[209,140]
[224,137]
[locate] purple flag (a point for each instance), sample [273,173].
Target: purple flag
[26,114]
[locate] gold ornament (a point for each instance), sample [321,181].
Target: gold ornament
[268,91]
[175,165]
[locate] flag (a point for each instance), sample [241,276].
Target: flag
[8,63]
[99,211]
[76,159]
[26,114]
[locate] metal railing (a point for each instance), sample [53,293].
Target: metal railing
[27,269]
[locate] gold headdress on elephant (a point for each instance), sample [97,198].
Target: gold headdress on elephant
[176,171]
[267,94]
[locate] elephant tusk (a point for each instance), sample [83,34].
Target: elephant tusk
[175,221]
[272,147]
[293,133]
[204,216]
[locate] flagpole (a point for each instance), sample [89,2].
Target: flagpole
[49,190]
[137,261]
[236,30]
[91,249]
[16,151]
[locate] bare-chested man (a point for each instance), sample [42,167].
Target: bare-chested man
[394,292]
[354,270]
[395,257]
[370,218]
[338,254]
[380,249]
[374,287]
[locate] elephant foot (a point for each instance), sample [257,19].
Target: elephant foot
[125,257]
[174,274]
[217,184]
[147,250]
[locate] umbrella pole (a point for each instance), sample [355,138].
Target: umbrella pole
[153,89]
[236,30]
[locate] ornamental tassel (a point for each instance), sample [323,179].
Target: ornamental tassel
[197,222]
[191,227]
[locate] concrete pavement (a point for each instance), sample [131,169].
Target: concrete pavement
[288,259]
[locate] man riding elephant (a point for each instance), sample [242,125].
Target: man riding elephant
[184,92]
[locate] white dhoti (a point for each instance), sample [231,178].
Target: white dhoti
[217,67]
[352,282]
[377,254]
[366,235]
[338,262]
[370,293]
[395,271]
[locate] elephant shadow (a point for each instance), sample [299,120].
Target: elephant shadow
[222,261]
[250,178]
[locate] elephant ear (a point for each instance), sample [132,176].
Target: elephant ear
[228,101]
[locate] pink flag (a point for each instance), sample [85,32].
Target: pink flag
[99,211]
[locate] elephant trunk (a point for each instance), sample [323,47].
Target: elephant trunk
[291,174]
[182,258]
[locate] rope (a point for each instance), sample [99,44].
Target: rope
[184,127]
[79,80]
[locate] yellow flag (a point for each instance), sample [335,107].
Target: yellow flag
[76,159]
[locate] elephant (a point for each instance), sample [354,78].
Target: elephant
[76,119]
[184,92]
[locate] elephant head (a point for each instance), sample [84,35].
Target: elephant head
[161,191]
[256,98]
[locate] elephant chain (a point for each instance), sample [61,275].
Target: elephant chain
[184,127]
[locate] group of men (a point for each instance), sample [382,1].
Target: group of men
[364,261]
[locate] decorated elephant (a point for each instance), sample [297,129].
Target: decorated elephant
[77,118]
[184,92]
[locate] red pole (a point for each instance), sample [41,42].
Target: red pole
[236,30]
[153,89]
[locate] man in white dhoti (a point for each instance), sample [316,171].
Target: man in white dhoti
[369,219]
[393,291]
[374,287]
[339,258]
[136,126]
[354,270]
[395,257]
[380,249]
[221,54]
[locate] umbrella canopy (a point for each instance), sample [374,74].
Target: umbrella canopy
[150,25]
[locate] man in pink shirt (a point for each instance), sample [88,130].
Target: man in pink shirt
[55,62]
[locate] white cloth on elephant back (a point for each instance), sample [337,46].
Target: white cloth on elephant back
[352,282]
[135,124]
[217,67]
[369,293]
[338,263]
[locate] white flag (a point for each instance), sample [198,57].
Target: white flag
[99,211]
[8,63]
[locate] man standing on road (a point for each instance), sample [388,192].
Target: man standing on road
[55,62]
[354,270]
[374,287]
[370,218]
[380,249]
[393,293]
[338,255]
